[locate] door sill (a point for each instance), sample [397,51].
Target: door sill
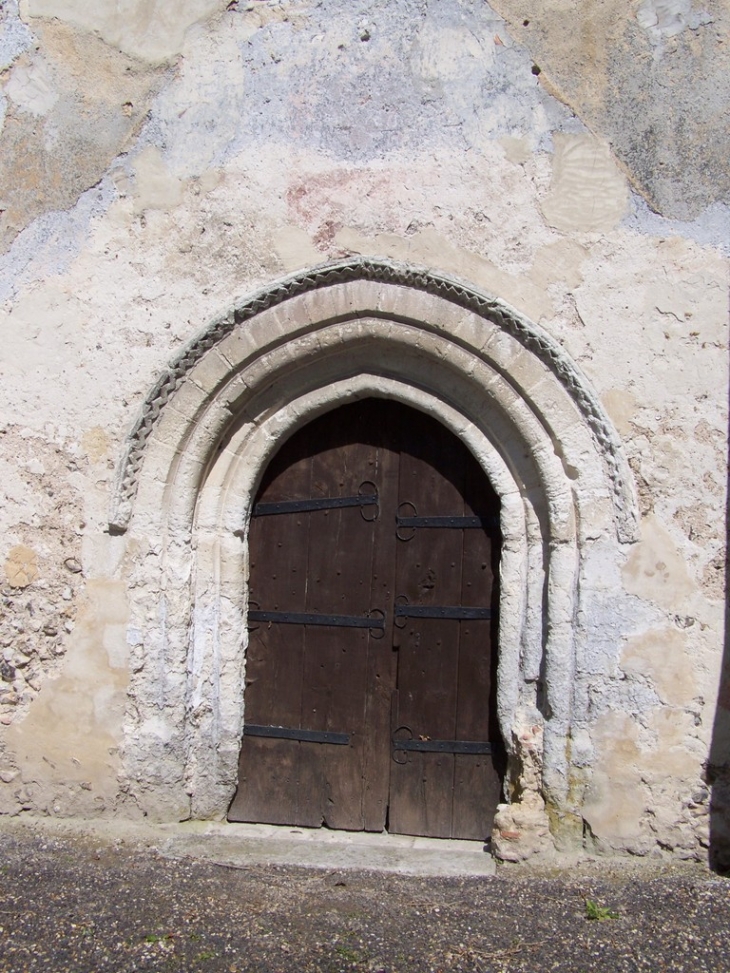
[237,844]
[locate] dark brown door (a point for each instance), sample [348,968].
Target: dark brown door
[369,698]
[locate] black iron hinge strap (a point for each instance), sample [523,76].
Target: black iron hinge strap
[315,503]
[442,611]
[443,746]
[317,618]
[292,733]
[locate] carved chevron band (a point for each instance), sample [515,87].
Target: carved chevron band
[386,272]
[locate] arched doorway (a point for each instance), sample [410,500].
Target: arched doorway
[371,671]
[281,357]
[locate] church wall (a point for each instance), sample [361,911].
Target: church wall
[160,167]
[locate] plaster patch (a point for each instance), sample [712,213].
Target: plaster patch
[559,262]
[621,405]
[516,150]
[32,88]
[661,655]
[152,32]
[655,569]
[21,566]
[614,807]
[208,180]
[667,18]
[155,186]
[96,443]
[588,193]
[673,728]
[66,737]
[295,248]
[615,803]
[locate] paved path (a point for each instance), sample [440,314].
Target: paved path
[113,899]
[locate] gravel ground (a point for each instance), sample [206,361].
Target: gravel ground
[77,904]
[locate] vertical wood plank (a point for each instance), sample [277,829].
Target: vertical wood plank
[476,780]
[428,573]
[440,673]
[336,664]
[269,780]
[384,421]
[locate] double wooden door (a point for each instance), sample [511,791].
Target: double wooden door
[369,699]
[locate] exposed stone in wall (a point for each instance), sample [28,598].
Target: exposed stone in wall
[522,827]
[42,523]
[63,667]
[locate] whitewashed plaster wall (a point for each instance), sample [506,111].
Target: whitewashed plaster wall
[160,165]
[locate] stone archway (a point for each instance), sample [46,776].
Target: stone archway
[194,459]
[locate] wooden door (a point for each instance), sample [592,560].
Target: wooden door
[369,677]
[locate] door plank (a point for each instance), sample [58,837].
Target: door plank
[428,572]
[477,782]
[382,660]
[336,659]
[269,778]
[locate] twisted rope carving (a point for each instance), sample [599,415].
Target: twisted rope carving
[386,272]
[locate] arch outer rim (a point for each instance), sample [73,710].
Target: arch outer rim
[384,271]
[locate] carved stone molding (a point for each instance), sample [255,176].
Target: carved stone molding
[529,335]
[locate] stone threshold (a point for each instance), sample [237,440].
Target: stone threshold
[243,845]
[325,848]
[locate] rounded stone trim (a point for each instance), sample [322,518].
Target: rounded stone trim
[537,342]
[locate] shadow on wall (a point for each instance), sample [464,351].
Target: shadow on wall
[718,768]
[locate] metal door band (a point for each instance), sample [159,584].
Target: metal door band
[402,745]
[411,522]
[362,500]
[370,621]
[293,733]
[403,611]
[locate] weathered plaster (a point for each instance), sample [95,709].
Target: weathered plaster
[14,35]
[153,32]
[73,104]
[68,746]
[650,78]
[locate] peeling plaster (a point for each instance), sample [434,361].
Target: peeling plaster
[15,37]
[153,32]
[651,80]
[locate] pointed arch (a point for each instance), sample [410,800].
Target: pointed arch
[275,361]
